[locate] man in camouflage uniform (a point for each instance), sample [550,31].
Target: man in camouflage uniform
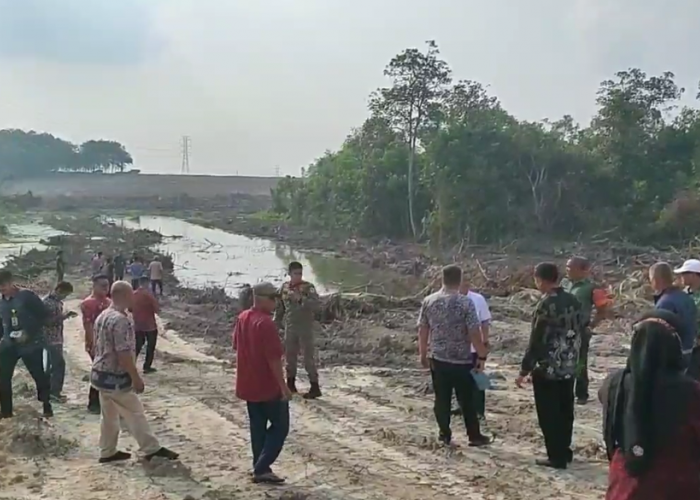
[591,296]
[296,314]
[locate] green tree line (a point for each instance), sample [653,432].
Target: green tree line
[442,160]
[31,154]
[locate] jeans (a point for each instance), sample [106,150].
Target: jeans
[554,401]
[267,441]
[457,378]
[157,285]
[582,377]
[150,339]
[33,359]
[56,368]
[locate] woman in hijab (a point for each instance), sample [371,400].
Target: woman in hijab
[651,418]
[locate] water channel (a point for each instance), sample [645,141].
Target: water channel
[24,237]
[205,257]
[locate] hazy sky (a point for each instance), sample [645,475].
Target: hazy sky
[265,83]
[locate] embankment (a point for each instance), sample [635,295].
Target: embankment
[139,185]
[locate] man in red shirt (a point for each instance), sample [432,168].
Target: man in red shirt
[260,381]
[144,309]
[90,309]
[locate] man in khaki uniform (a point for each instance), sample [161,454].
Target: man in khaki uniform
[295,313]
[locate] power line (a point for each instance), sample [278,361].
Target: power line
[186,146]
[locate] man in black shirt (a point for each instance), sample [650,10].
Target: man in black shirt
[551,360]
[23,316]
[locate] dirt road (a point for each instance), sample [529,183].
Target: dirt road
[371,436]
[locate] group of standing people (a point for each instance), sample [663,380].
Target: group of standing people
[116,268]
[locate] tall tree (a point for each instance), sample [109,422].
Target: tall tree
[419,83]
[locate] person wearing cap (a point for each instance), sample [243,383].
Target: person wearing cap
[260,381]
[672,298]
[690,275]
[592,297]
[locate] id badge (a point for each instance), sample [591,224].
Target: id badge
[18,334]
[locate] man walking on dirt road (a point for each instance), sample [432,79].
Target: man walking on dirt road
[551,362]
[592,297]
[448,325]
[115,376]
[53,334]
[23,317]
[90,309]
[144,309]
[296,314]
[260,381]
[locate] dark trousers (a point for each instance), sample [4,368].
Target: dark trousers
[33,359]
[449,378]
[119,275]
[135,283]
[56,368]
[93,395]
[266,440]
[554,400]
[157,285]
[582,374]
[694,364]
[150,339]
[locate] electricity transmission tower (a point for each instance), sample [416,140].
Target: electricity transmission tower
[186,146]
[277,171]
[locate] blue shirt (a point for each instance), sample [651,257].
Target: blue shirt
[137,269]
[682,305]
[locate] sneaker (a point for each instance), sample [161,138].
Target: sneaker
[149,370]
[267,478]
[95,410]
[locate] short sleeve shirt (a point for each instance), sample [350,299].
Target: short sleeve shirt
[449,317]
[114,334]
[482,308]
[53,330]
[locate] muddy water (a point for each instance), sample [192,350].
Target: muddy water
[24,237]
[206,257]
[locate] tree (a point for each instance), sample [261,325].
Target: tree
[31,154]
[419,81]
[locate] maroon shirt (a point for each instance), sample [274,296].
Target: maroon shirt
[675,473]
[257,344]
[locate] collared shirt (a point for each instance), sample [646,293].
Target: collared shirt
[683,305]
[482,309]
[114,334]
[450,317]
[589,294]
[143,310]
[23,312]
[53,330]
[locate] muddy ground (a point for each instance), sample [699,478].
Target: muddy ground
[372,435]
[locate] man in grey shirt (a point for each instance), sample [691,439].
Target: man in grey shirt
[448,326]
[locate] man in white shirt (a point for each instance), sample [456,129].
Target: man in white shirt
[484,314]
[155,273]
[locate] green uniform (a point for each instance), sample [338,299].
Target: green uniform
[296,314]
[583,291]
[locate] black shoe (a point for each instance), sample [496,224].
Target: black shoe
[268,478]
[569,457]
[314,391]
[163,453]
[292,384]
[481,441]
[581,401]
[551,465]
[48,410]
[94,409]
[6,415]
[446,440]
[455,412]
[119,456]
[149,370]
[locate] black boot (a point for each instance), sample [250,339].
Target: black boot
[314,391]
[292,384]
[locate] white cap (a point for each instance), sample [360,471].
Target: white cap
[689,266]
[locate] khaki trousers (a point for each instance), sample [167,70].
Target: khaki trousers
[301,339]
[127,405]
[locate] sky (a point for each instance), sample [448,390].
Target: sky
[262,86]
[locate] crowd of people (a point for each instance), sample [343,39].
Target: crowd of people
[651,406]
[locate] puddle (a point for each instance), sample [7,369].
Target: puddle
[206,257]
[22,238]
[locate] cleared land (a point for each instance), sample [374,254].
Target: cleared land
[139,185]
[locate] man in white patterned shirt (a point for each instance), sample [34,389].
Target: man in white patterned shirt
[448,325]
